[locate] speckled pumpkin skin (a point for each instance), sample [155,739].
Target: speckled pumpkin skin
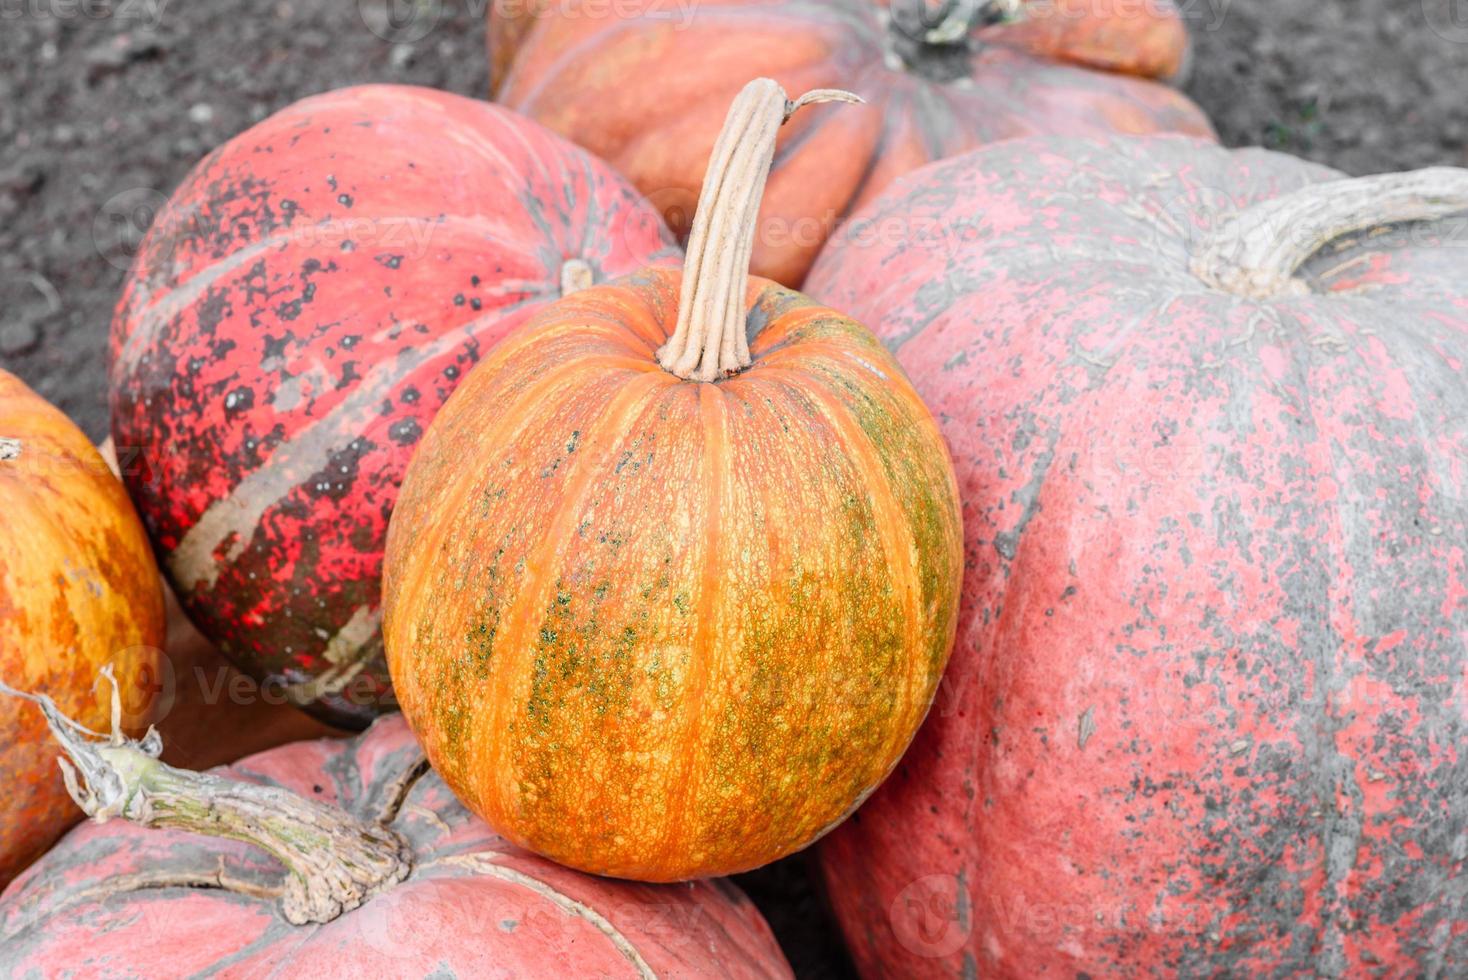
[662,630]
[297,314]
[78,591]
[647,91]
[474,906]
[1205,714]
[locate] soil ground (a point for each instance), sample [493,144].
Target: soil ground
[106,104]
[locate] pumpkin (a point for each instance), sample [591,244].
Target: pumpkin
[78,590]
[1147,39]
[205,710]
[636,88]
[341,859]
[674,573]
[1205,713]
[295,316]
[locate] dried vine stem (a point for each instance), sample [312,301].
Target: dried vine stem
[710,342]
[334,860]
[1256,252]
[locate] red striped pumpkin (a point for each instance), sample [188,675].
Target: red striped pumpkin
[297,313]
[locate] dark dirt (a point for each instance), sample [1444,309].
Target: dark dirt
[106,104]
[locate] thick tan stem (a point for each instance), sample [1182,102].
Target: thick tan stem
[1256,253]
[709,342]
[9,449]
[334,860]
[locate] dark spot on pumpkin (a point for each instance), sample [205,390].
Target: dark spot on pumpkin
[239,399]
[405,432]
[212,310]
[345,200]
[390,261]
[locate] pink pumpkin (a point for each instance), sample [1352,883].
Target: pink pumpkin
[1205,715]
[447,896]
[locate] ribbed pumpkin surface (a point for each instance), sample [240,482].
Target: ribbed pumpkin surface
[115,900]
[78,591]
[1206,712]
[660,629]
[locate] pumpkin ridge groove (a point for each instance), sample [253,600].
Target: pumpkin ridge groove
[526,610]
[1340,825]
[487,865]
[511,422]
[898,540]
[714,424]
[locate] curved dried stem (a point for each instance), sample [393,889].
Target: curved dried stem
[1256,252]
[334,860]
[709,342]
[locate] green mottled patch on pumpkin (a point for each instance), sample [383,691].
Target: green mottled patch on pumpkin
[919,483]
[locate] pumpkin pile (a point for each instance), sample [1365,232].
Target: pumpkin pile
[1141,462]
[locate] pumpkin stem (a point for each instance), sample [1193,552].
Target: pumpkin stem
[950,22]
[576,275]
[1256,252]
[9,449]
[335,860]
[710,340]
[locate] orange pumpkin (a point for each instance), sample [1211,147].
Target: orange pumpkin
[668,603]
[78,590]
[634,81]
[1146,38]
